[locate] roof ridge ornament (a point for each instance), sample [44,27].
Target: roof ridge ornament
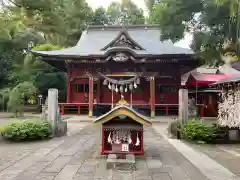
[123,40]
[120,57]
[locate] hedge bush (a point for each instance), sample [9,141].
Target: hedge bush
[199,131]
[24,130]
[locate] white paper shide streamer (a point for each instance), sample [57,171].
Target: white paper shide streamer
[109,138]
[229,108]
[138,141]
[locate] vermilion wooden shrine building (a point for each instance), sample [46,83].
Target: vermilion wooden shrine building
[112,60]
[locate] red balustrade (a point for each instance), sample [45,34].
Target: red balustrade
[65,108]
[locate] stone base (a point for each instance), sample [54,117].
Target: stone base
[152,114]
[90,113]
[124,164]
[233,135]
[61,129]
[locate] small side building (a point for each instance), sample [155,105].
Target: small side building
[122,130]
[198,81]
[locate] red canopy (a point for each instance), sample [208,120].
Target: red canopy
[204,79]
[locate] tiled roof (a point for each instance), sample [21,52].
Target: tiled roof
[95,38]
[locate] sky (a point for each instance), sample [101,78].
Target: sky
[104,3]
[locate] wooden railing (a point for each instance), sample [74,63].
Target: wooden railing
[77,107]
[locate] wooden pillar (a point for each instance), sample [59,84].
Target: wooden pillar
[98,90]
[183,105]
[152,96]
[90,97]
[68,84]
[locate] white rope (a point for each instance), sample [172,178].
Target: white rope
[121,82]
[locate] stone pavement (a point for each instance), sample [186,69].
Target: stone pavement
[77,157]
[226,155]
[213,163]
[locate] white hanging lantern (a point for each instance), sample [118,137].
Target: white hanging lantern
[109,86]
[116,89]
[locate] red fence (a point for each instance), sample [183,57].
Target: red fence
[78,108]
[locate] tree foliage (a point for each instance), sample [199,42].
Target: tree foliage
[125,13]
[18,95]
[48,25]
[209,23]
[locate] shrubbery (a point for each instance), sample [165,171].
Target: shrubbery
[27,130]
[199,131]
[196,130]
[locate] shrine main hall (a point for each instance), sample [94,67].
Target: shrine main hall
[109,62]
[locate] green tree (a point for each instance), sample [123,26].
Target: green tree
[150,4]
[42,75]
[233,4]
[60,21]
[100,17]
[125,13]
[209,24]
[13,45]
[18,95]
[4,97]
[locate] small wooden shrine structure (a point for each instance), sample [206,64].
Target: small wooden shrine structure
[197,82]
[109,61]
[122,130]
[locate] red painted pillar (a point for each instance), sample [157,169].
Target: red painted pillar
[166,111]
[90,97]
[98,90]
[152,96]
[68,84]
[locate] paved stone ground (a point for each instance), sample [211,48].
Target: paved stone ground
[226,155]
[77,157]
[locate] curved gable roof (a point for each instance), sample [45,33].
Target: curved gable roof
[123,110]
[95,39]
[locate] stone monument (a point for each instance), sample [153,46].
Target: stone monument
[52,115]
[183,105]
